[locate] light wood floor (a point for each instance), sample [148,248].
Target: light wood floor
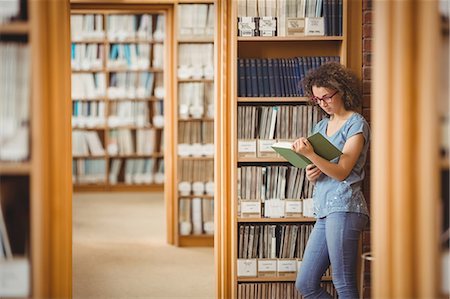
[120,251]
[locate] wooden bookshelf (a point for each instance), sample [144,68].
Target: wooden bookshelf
[161,133]
[184,39]
[227,153]
[39,184]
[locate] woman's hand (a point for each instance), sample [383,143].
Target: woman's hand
[312,173]
[303,147]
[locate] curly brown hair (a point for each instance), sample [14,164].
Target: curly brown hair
[335,76]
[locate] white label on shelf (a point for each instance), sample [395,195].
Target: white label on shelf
[293,206]
[247,146]
[14,278]
[209,188]
[284,265]
[267,23]
[274,208]
[246,267]
[184,149]
[314,26]
[308,209]
[198,188]
[184,188]
[266,145]
[250,207]
[196,150]
[265,265]
[299,264]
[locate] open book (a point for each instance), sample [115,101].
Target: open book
[321,146]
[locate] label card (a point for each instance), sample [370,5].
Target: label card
[247,148]
[286,267]
[267,267]
[250,209]
[293,208]
[265,148]
[14,278]
[274,208]
[246,267]
[314,26]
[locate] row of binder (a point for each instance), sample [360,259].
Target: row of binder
[119,27]
[126,171]
[276,77]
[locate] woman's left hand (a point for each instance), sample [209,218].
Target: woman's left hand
[303,147]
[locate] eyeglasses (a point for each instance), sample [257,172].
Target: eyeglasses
[326,98]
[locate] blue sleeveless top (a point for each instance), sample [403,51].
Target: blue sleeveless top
[331,195]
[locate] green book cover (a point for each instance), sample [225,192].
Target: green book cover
[321,146]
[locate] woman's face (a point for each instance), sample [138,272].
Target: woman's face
[328,99]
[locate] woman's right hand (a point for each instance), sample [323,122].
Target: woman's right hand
[312,173]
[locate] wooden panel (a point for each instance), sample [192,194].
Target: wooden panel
[51,216]
[405,184]
[196,241]
[15,168]
[222,172]
[15,28]
[289,49]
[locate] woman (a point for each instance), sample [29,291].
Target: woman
[339,204]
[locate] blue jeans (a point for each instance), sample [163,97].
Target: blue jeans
[334,239]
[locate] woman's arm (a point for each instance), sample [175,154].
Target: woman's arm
[351,152]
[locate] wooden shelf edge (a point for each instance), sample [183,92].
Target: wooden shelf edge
[195,40]
[196,158]
[196,196]
[272,99]
[118,187]
[288,38]
[195,80]
[275,279]
[195,1]
[19,27]
[445,163]
[196,241]
[195,119]
[275,220]
[15,168]
[261,159]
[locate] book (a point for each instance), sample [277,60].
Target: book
[321,145]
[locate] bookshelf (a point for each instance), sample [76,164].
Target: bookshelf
[35,153]
[238,156]
[118,117]
[194,91]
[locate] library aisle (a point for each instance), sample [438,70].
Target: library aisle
[121,252]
